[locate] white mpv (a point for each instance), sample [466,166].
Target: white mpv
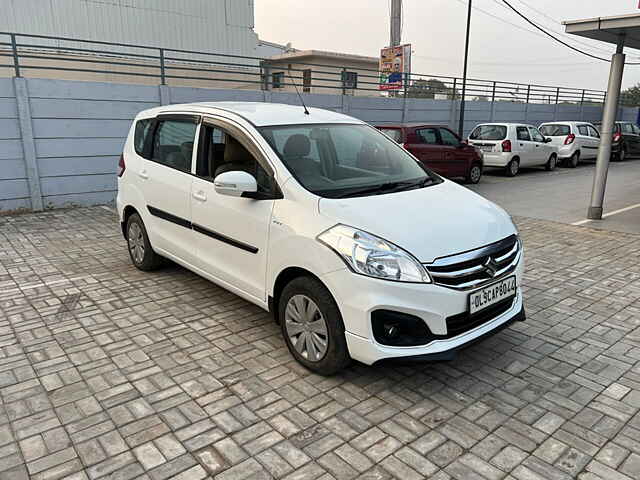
[513,145]
[358,250]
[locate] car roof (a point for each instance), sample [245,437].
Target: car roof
[576,122]
[410,125]
[259,114]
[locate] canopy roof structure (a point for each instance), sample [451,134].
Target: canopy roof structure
[608,29]
[621,31]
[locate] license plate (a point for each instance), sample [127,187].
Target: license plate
[481,299]
[485,148]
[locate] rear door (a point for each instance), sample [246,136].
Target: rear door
[583,139]
[165,181]
[594,143]
[424,143]
[631,138]
[456,159]
[636,137]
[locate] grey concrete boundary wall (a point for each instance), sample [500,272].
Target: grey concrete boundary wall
[60,140]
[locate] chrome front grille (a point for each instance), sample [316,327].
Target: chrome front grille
[478,267]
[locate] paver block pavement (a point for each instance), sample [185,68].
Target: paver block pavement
[109,372]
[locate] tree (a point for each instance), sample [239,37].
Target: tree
[429,88]
[631,96]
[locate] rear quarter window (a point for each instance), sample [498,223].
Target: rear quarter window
[489,132]
[555,130]
[142,129]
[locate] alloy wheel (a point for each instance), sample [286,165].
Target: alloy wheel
[513,167]
[306,328]
[475,174]
[136,243]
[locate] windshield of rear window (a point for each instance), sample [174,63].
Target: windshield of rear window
[342,160]
[555,130]
[393,133]
[489,132]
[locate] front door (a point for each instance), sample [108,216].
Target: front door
[524,146]
[424,143]
[230,233]
[165,181]
[541,149]
[456,158]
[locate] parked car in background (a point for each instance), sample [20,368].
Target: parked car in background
[513,145]
[276,206]
[575,141]
[439,149]
[626,140]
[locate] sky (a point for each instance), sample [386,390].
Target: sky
[505,48]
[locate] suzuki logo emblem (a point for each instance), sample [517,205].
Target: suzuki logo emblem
[491,267]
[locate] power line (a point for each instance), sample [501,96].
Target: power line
[556,38]
[556,22]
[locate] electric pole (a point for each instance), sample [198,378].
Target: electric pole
[464,74]
[396,23]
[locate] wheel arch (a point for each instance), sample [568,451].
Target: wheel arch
[281,281]
[126,213]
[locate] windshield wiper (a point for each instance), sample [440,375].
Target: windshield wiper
[388,187]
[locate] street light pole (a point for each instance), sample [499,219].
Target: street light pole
[464,74]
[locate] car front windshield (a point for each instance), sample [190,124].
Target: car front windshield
[555,130]
[346,160]
[489,132]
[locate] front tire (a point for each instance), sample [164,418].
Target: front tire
[512,168]
[140,251]
[312,326]
[474,174]
[552,163]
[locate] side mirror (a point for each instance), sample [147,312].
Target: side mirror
[236,184]
[547,139]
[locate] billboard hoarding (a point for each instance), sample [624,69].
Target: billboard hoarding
[395,65]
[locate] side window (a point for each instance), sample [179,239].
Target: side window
[141,134]
[428,136]
[583,130]
[636,130]
[173,144]
[593,132]
[448,138]
[626,128]
[523,134]
[222,152]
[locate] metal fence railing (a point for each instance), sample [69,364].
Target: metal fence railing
[41,55]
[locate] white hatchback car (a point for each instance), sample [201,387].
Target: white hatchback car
[280,207]
[513,145]
[575,141]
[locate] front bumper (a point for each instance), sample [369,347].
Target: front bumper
[358,297]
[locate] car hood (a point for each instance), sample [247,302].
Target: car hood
[429,222]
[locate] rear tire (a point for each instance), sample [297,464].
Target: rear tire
[621,156]
[512,168]
[140,250]
[552,163]
[312,326]
[474,174]
[574,161]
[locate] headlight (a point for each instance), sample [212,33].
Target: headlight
[369,255]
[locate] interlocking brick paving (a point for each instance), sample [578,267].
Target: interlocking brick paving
[109,372]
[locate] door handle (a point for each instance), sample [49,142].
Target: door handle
[143,174]
[200,196]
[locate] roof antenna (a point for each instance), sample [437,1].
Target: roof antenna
[306,111]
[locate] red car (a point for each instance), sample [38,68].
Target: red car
[439,149]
